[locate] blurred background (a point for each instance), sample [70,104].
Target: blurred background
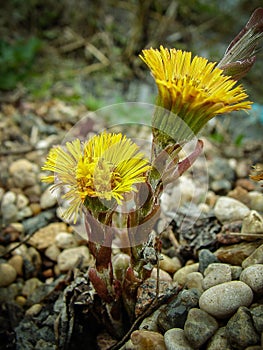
[86,52]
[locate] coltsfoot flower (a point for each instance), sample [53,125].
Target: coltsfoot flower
[191,88]
[106,167]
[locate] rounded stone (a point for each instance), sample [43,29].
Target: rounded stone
[256,200]
[229,209]
[34,310]
[240,330]
[163,275]
[21,201]
[216,274]
[65,240]
[194,280]
[52,252]
[46,236]
[68,259]
[146,340]
[206,258]
[17,262]
[7,274]
[20,165]
[224,299]
[9,212]
[253,277]
[47,199]
[168,264]
[199,327]
[175,339]
[181,275]
[8,197]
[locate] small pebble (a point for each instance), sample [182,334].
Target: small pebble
[181,274]
[235,272]
[147,340]
[256,257]
[17,262]
[47,199]
[68,259]
[224,299]
[21,201]
[20,165]
[52,252]
[256,200]
[199,327]
[235,254]
[168,264]
[252,223]
[194,280]
[257,315]
[150,322]
[175,313]
[46,236]
[163,275]
[175,339]
[228,209]
[216,273]
[20,300]
[34,310]
[253,277]
[219,341]
[30,285]
[7,274]
[65,240]
[206,258]
[240,330]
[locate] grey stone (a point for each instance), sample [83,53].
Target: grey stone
[229,209]
[180,275]
[219,341]
[68,259]
[256,200]
[150,323]
[194,280]
[224,299]
[30,286]
[65,240]
[7,274]
[216,274]
[253,277]
[240,331]
[199,327]
[257,315]
[175,313]
[222,186]
[236,272]
[47,199]
[255,258]
[175,340]
[206,258]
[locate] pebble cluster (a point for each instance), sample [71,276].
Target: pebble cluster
[220,305]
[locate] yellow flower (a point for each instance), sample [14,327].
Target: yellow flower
[105,167]
[193,89]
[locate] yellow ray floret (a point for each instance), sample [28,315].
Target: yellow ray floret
[193,88]
[107,166]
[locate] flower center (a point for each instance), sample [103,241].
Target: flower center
[96,178]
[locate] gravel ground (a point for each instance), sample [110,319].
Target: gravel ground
[212,250]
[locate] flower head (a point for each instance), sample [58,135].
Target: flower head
[192,88]
[105,167]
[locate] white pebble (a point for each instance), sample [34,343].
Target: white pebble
[224,299]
